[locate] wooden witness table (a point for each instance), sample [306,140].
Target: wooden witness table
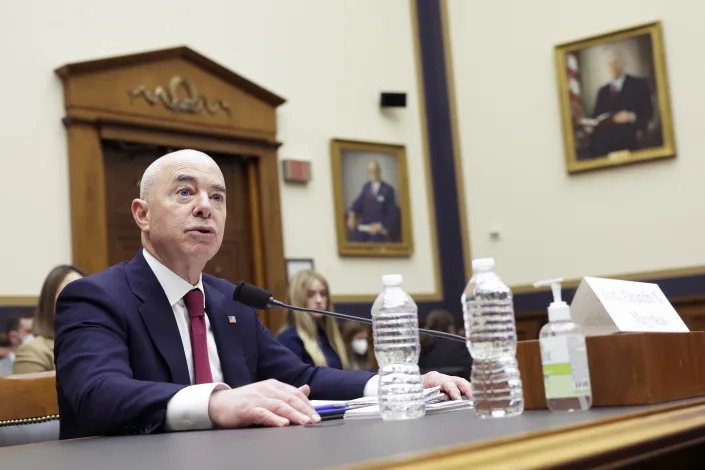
[537,439]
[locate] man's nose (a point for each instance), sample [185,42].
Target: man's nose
[203,206]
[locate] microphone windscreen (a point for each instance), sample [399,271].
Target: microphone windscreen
[252,296]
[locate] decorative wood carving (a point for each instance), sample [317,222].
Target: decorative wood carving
[193,102]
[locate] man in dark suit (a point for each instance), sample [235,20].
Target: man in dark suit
[155,345]
[374,215]
[624,110]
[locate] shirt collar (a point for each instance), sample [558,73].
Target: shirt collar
[175,287]
[619,83]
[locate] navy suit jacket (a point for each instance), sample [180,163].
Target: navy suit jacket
[119,357]
[635,96]
[380,208]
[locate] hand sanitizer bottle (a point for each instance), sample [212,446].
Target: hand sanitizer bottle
[566,376]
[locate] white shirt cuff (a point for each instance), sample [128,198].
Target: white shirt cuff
[188,409]
[371,387]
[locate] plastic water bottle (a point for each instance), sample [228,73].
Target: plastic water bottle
[395,327]
[492,341]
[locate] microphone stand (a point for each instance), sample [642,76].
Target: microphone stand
[439,334]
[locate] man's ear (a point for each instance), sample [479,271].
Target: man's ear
[140,212]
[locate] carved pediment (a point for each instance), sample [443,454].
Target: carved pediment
[172,88]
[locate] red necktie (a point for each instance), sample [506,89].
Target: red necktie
[199,346]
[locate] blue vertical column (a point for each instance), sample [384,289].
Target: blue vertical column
[440,144]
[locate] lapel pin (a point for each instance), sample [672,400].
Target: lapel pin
[232,320]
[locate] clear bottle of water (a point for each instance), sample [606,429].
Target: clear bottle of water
[395,327]
[492,340]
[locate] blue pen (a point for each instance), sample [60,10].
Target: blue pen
[337,406]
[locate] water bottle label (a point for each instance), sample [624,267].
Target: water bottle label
[565,366]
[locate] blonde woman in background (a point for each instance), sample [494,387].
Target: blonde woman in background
[314,338]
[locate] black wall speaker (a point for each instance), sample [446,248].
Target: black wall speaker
[392,100]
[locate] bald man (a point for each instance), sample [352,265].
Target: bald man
[625,102]
[155,345]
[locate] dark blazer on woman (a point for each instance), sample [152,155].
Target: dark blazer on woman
[291,339]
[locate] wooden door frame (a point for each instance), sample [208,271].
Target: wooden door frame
[87,126]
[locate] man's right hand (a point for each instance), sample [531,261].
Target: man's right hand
[351,221]
[268,403]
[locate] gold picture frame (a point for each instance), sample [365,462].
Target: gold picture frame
[380,224]
[614,103]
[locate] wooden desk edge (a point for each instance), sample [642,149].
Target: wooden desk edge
[625,433]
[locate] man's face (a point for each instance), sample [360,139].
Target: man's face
[615,66]
[373,171]
[186,210]
[23,330]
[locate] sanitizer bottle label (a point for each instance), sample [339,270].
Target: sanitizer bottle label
[565,366]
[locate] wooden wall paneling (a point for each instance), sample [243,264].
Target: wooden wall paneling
[692,311]
[256,226]
[272,233]
[87,191]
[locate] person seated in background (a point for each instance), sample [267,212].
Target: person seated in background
[5,354]
[356,337]
[18,331]
[314,338]
[444,355]
[37,355]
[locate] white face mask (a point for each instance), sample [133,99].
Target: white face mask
[27,338]
[359,346]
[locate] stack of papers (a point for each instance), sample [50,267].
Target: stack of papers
[368,407]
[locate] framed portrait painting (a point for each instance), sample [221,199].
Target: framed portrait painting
[371,195]
[615,107]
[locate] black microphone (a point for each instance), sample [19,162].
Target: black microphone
[260,299]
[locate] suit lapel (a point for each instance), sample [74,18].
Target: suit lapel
[227,336]
[158,317]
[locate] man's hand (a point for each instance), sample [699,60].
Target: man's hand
[351,222]
[455,387]
[624,117]
[269,403]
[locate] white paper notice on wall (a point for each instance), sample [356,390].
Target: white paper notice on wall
[604,306]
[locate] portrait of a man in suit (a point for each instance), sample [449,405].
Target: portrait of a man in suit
[614,99]
[624,105]
[374,215]
[371,197]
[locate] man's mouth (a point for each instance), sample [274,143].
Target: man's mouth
[203,230]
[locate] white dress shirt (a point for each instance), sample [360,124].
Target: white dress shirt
[375,187]
[188,409]
[618,83]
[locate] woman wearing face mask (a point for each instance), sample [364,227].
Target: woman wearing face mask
[314,338]
[356,338]
[37,355]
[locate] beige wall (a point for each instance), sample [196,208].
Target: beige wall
[328,58]
[631,219]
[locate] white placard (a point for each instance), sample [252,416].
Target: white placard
[604,306]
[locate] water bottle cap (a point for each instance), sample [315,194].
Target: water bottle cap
[390,280]
[483,264]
